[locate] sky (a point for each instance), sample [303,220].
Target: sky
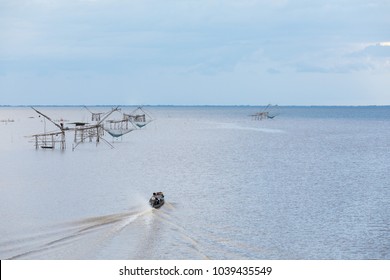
[194,52]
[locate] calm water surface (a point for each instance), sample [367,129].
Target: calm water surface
[312,183]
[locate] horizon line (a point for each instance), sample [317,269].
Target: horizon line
[184,105]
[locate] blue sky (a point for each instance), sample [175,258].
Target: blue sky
[183,52]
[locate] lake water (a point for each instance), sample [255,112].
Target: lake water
[312,183]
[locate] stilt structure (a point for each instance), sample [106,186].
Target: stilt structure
[48,140]
[139,117]
[118,128]
[95,117]
[265,114]
[84,131]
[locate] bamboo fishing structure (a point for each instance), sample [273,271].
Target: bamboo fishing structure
[139,117]
[86,132]
[265,113]
[48,140]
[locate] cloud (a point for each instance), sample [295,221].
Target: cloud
[333,58]
[378,50]
[191,41]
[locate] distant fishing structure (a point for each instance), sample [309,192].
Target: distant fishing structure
[95,116]
[6,121]
[265,113]
[118,128]
[48,140]
[139,117]
[94,131]
[85,131]
[128,122]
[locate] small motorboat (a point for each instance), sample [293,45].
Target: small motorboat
[157,200]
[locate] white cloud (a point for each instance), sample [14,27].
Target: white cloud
[189,39]
[384,44]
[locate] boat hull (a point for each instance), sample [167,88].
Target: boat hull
[157,205]
[157,200]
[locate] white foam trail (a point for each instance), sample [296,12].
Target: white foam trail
[260,129]
[70,233]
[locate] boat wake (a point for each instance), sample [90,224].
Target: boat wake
[72,240]
[239,127]
[133,234]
